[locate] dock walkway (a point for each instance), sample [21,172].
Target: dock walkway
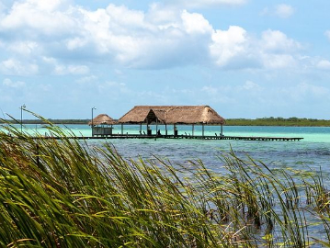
[138,136]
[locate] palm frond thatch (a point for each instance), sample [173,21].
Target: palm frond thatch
[172,115]
[102,119]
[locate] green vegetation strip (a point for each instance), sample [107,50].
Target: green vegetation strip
[269,121]
[63,193]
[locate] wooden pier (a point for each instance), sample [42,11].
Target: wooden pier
[138,136]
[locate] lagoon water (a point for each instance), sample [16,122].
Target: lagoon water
[311,153]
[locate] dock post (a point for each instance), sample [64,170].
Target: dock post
[156,126]
[122,129]
[203,129]
[166,129]
[193,129]
[221,130]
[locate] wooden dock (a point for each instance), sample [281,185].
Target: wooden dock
[138,136]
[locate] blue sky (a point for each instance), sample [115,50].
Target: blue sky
[244,58]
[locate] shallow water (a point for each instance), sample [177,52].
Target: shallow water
[311,153]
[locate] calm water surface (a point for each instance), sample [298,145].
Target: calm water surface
[312,153]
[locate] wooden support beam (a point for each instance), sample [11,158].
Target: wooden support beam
[203,129]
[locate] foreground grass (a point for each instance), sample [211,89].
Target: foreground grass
[66,194]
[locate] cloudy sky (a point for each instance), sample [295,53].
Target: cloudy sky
[244,58]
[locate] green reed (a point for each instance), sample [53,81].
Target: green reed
[64,193]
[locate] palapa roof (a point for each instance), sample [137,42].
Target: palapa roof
[102,119]
[172,115]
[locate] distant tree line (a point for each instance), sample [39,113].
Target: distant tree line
[278,121]
[54,121]
[268,121]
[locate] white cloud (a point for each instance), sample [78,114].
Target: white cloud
[206,3]
[39,16]
[323,64]
[112,88]
[195,23]
[16,67]
[71,69]
[60,69]
[281,10]
[162,16]
[23,47]
[228,44]
[284,10]
[279,61]
[234,48]
[88,79]
[251,86]
[9,83]
[277,97]
[137,39]
[276,41]
[327,33]
[210,90]
[2,9]
[303,91]
[162,37]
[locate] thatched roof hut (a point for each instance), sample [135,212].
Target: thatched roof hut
[172,115]
[102,119]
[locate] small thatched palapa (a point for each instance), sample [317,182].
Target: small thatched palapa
[102,119]
[172,115]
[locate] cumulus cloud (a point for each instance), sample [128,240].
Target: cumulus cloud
[2,8]
[39,16]
[280,61]
[279,98]
[205,3]
[60,69]
[278,51]
[132,39]
[161,37]
[9,83]
[195,23]
[16,67]
[284,10]
[88,79]
[276,41]
[305,90]
[228,45]
[234,48]
[24,48]
[281,10]
[251,86]
[71,69]
[323,64]
[210,90]
[327,33]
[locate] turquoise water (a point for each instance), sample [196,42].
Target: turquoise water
[310,134]
[312,153]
